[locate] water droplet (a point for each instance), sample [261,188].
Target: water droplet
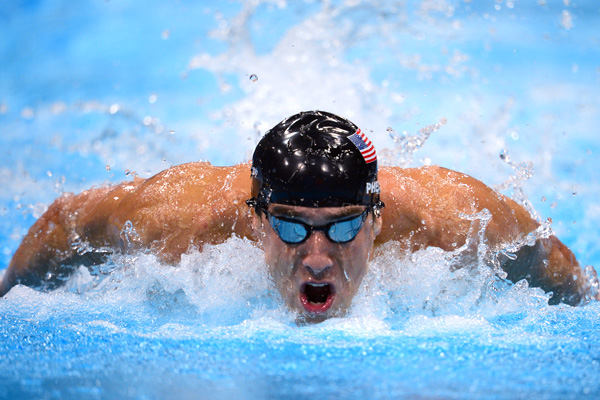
[113,109]
[27,113]
[152,99]
[253,78]
[49,173]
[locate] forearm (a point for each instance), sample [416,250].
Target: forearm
[550,265]
[45,243]
[54,244]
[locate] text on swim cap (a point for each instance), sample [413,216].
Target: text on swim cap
[373,187]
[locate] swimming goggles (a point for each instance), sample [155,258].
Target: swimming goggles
[292,231]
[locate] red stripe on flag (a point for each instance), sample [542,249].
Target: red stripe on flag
[368,153]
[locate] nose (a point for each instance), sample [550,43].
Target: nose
[316,258]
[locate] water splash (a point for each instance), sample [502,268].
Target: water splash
[405,145]
[522,172]
[130,239]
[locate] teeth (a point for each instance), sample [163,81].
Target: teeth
[318,284]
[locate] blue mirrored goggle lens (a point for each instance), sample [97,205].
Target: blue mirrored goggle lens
[345,231]
[288,231]
[294,232]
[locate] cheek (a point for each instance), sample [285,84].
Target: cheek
[357,265]
[357,257]
[278,259]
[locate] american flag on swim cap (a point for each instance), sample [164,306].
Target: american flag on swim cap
[364,145]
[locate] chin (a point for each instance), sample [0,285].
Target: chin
[305,318]
[313,314]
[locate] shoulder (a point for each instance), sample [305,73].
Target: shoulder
[195,178]
[425,175]
[434,184]
[440,197]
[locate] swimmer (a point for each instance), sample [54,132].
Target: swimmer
[314,200]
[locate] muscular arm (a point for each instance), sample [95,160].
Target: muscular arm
[424,206]
[197,203]
[190,204]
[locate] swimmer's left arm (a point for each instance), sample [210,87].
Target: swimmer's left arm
[427,207]
[548,264]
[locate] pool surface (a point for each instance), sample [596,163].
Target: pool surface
[96,92]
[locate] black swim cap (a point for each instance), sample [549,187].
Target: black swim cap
[315,159]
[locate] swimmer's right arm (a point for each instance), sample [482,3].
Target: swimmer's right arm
[46,253]
[183,206]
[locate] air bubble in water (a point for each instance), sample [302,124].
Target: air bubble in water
[253,78]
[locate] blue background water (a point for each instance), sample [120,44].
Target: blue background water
[93,90]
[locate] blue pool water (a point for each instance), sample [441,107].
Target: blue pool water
[94,92]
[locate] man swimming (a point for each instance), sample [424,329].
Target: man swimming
[317,209]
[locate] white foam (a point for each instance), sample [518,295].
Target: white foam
[226,289]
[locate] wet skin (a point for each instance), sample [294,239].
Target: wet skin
[197,203]
[318,277]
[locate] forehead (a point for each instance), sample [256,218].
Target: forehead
[314,213]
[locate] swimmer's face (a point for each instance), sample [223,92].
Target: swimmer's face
[317,277]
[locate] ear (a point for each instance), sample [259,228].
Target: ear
[377,224]
[257,223]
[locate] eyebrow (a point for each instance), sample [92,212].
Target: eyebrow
[343,212]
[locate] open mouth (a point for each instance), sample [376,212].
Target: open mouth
[317,297]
